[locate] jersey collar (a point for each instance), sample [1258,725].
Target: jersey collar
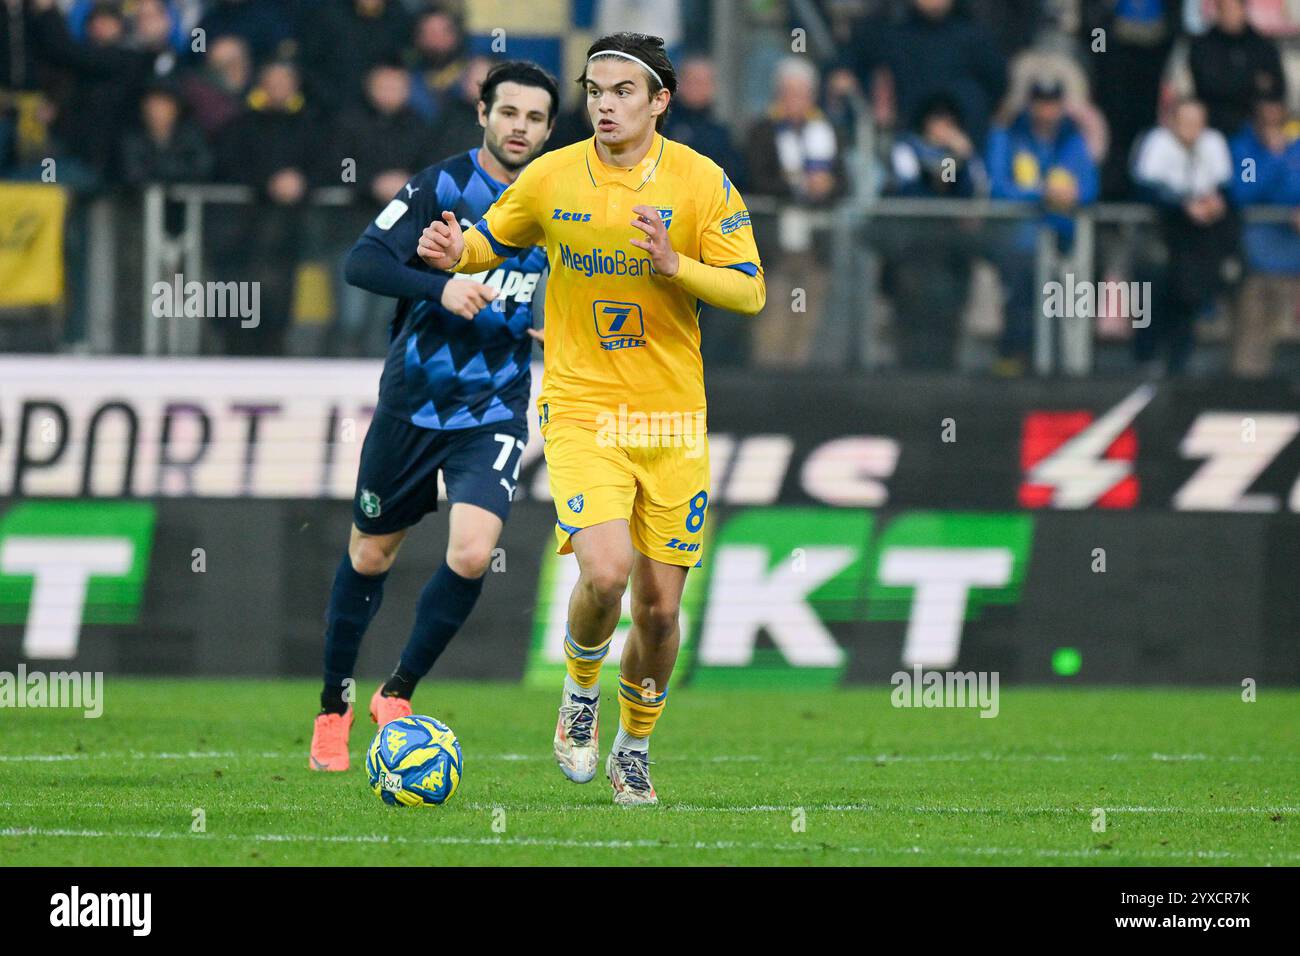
[498,187]
[633,178]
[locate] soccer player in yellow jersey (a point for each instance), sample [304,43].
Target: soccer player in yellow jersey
[638,231]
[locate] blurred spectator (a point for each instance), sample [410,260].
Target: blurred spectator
[934,49]
[1266,162]
[691,120]
[458,128]
[1233,66]
[273,146]
[937,158]
[1126,74]
[215,90]
[344,39]
[792,155]
[165,148]
[32,35]
[792,151]
[385,138]
[1015,23]
[1185,169]
[154,27]
[1049,66]
[1040,157]
[100,105]
[439,62]
[177,38]
[267,26]
[927,270]
[389,144]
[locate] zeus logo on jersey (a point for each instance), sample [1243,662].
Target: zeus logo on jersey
[600,263]
[563,216]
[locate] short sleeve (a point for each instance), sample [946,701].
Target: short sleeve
[728,239]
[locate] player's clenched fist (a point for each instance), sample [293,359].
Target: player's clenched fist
[466,298]
[442,243]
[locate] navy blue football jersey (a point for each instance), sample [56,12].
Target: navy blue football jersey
[443,371]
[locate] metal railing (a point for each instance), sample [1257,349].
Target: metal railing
[165,255]
[1061,345]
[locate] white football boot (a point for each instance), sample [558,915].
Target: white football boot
[629,772]
[577,738]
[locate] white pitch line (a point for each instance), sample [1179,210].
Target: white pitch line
[381,838]
[537,807]
[710,758]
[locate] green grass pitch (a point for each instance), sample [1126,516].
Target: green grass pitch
[744,777]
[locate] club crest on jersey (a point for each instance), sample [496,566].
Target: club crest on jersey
[666,214]
[369,503]
[575,504]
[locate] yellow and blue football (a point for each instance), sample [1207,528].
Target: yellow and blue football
[414,762]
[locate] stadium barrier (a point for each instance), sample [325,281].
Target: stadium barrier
[1108,238]
[185,517]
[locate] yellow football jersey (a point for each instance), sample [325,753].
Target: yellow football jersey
[620,338]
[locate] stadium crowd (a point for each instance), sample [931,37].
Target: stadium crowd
[1183,105]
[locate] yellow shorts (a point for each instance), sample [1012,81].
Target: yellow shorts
[663,492]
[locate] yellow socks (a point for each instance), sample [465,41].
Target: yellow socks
[583,663]
[637,708]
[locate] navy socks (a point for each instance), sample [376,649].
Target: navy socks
[445,603]
[354,601]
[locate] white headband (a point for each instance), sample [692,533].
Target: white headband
[626,56]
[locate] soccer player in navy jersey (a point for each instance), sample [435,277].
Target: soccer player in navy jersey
[453,397]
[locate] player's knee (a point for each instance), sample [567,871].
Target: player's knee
[656,620]
[606,583]
[469,559]
[369,558]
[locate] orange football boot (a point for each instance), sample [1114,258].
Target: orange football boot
[383,709]
[329,741]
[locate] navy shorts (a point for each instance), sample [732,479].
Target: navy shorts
[397,483]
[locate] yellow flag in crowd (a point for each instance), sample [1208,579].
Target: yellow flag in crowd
[31,244]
